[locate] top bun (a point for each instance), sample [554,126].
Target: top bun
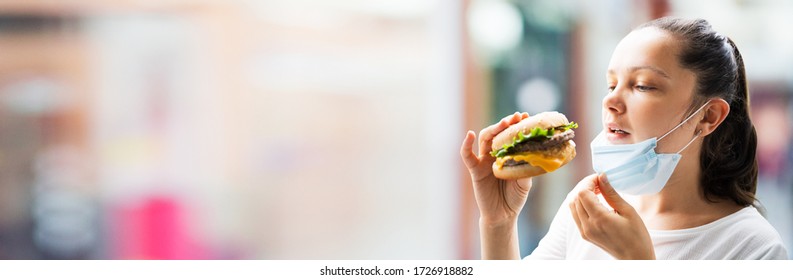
[544,120]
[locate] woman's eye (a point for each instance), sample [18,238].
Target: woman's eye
[644,88]
[611,88]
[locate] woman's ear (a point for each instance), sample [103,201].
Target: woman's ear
[713,115]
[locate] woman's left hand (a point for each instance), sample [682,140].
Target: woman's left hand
[621,232]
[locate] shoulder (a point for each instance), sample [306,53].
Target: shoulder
[749,222]
[752,235]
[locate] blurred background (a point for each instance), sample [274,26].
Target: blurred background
[314,129]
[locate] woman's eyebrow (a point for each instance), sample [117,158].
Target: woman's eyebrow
[651,68]
[644,67]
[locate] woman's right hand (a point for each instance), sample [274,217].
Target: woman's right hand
[499,201]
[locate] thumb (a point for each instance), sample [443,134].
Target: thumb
[610,195]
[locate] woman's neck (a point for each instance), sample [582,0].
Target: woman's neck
[681,203]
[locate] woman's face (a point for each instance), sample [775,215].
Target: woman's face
[649,92]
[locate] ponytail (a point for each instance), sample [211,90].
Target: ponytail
[728,159]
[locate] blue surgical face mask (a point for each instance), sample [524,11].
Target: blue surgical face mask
[636,169]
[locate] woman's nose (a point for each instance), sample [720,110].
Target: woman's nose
[613,102]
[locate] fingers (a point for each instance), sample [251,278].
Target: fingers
[587,195]
[524,183]
[579,216]
[611,196]
[590,203]
[582,213]
[574,212]
[470,158]
[467,150]
[487,134]
[578,210]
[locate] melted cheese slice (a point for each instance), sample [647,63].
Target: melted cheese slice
[546,163]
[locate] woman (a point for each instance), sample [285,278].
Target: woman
[678,93]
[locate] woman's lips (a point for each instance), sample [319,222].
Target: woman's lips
[616,135]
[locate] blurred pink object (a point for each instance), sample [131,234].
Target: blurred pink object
[156,229]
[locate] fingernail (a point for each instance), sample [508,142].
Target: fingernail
[603,178]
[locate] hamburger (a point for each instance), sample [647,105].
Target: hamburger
[536,145]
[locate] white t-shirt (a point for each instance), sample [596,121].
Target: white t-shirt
[743,235]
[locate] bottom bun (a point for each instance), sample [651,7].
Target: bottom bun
[567,153]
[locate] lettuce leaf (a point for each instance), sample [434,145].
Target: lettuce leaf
[535,134]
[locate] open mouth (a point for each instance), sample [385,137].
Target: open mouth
[618,131]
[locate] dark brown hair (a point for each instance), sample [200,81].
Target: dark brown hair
[728,160]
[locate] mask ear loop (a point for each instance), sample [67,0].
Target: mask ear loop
[692,140]
[684,121]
